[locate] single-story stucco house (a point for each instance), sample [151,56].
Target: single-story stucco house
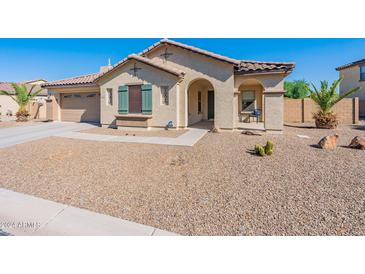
[354,76]
[176,83]
[36,108]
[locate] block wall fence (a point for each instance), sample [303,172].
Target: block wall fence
[301,110]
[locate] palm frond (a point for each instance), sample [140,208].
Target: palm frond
[4,92]
[351,91]
[327,97]
[30,91]
[36,93]
[335,84]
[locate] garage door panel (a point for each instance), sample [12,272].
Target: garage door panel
[81,107]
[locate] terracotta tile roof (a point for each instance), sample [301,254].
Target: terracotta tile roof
[90,79]
[355,63]
[191,48]
[241,66]
[147,61]
[87,79]
[247,67]
[8,87]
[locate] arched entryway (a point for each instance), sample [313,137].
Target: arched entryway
[200,103]
[251,101]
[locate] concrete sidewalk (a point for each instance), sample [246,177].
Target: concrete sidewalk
[22,214]
[190,138]
[22,134]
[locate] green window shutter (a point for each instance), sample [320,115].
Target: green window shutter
[147,99]
[123,99]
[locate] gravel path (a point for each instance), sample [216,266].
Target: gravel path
[213,188]
[122,132]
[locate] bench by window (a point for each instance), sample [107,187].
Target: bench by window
[362,73]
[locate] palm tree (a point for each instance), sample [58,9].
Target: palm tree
[22,98]
[326,98]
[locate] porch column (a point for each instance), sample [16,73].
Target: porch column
[274,110]
[235,107]
[49,109]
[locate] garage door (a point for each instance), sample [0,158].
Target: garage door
[80,107]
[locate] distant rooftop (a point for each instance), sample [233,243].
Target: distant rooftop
[6,86]
[355,63]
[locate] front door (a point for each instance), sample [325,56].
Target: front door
[210,104]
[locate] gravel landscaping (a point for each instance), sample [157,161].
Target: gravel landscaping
[122,132]
[216,187]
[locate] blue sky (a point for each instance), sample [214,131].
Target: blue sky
[52,59]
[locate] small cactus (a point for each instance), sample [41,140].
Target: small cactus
[266,150]
[269,148]
[259,150]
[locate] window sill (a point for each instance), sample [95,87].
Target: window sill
[131,115]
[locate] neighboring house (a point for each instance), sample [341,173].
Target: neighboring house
[36,108]
[354,76]
[171,81]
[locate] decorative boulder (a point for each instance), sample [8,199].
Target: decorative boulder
[214,130]
[248,132]
[358,142]
[328,142]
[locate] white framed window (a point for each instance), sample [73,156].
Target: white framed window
[248,100]
[165,95]
[109,97]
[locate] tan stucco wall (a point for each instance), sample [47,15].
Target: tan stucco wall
[352,80]
[274,111]
[7,103]
[161,114]
[196,66]
[37,108]
[273,96]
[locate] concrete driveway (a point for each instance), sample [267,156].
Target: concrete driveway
[26,215]
[22,134]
